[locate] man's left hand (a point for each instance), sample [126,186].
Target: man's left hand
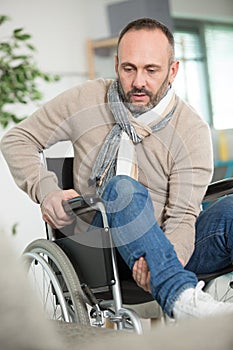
[141,274]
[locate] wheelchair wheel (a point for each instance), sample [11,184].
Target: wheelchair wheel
[55,282]
[221,288]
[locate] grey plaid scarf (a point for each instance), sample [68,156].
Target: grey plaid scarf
[105,165]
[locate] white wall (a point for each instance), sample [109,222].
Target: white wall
[59,30]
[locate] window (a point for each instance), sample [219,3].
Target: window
[205,52]
[219,49]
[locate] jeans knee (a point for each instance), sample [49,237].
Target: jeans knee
[225,206]
[124,192]
[228,201]
[124,185]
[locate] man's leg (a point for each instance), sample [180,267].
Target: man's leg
[214,238]
[135,233]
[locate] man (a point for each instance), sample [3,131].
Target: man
[148,154]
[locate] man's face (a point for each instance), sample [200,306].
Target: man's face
[143,68]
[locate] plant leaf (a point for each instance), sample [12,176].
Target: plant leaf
[19,74]
[14,228]
[22,36]
[3,19]
[17,31]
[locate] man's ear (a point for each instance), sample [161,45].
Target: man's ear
[173,71]
[116,65]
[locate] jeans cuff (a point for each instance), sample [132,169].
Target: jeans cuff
[169,306]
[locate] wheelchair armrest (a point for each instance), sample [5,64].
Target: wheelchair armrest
[73,205]
[219,189]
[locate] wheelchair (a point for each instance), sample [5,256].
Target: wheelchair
[87,284]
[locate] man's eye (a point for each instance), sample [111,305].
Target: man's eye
[128,69]
[151,71]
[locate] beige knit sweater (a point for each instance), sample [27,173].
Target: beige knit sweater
[175,163]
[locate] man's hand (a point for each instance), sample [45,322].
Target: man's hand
[141,274]
[52,210]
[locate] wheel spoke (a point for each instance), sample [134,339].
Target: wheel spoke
[49,271]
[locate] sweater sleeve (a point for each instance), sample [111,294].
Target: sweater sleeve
[191,173]
[21,145]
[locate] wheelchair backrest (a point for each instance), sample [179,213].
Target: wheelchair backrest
[93,265]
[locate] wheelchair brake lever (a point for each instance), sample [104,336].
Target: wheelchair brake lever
[67,208]
[79,202]
[73,204]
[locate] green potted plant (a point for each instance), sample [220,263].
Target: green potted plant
[19,73]
[19,77]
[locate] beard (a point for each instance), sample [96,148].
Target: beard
[154,98]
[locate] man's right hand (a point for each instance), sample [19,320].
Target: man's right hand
[52,209]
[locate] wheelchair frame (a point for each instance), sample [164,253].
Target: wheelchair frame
[69,296]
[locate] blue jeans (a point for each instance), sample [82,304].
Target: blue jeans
[136,233]
[214,238]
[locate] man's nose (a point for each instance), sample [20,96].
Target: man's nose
[139,80]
